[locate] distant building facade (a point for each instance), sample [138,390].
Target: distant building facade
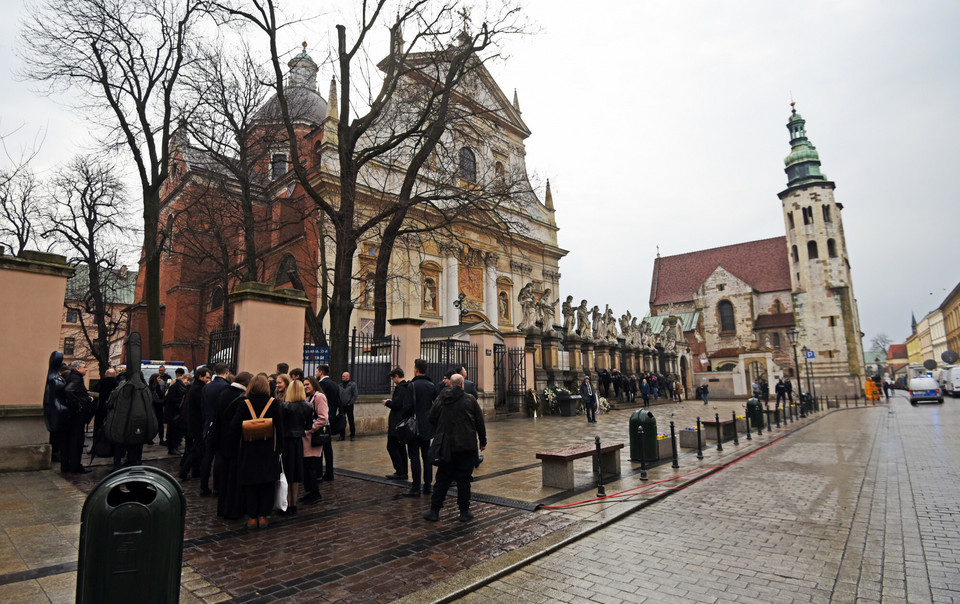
[751,294]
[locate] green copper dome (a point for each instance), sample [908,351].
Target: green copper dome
[803,163]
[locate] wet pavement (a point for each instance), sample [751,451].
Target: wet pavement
[365,542]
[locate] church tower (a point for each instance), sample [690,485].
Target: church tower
[824,307]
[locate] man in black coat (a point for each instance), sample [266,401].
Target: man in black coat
[459,418]
[588,394]
[192,408]
[397,404]
[468,386]
[332,391]
[78,400]
[424,392]
[210,402]
[172,404]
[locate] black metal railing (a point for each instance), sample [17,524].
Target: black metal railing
[444,355]
[223,347]
[369,360]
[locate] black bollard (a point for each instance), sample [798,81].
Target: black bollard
[759,426]
[846,401]
[673,442]
[643,464]
[776,413]
[719,434]
[746,420]
[600,490]
[699,442]
[766,413]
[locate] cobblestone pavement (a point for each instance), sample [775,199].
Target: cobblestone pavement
[364,542]
[860,506]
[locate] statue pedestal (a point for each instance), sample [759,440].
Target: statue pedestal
[602,355]
[629,365]
[572,346]
[589,358]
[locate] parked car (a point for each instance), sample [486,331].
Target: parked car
[950,378]
[925,389]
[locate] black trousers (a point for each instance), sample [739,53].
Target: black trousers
[398,455]
[206,466]
[312,469]
[459,470]
[418,453]
[192,456]
[258,498]
[328,460]
[158,411]
[348,411]
[134,455]
[591,414]
[71,444]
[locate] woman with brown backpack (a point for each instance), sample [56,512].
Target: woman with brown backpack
[258,467]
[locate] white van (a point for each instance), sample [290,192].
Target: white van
[950,380]
[925,389]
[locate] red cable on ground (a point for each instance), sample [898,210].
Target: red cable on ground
[712,469]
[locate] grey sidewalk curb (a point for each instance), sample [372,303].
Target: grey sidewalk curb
[476,577]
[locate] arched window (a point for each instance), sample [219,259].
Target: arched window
[775,339]
[812,250]
[777,306]
[287,265]
[831,248]
[796,254]
[216,298]
[468,165]
[278,165]
[790,219]
[807,215]
[725,310]
[826,213]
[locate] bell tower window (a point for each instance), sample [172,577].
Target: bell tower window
[812,250]
[278,165]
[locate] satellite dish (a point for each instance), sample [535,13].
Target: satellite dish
[930,364]
[950,357]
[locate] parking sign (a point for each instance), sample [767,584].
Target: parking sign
[810,354]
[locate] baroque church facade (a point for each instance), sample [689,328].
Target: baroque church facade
[468,273]
[742,300]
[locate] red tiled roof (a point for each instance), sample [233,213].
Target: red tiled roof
[761,264]
[897,351]
[725,353]
[770,321]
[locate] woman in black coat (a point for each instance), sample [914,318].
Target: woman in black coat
[258,465]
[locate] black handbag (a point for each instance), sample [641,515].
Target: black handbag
[439,451]
[321,437]
[407,430]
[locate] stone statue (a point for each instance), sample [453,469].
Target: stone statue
[625,326]
[529,307]
[610,325]
[583,321]
[547,310]
[567,310]
[634,338]
[598,328]
[766,341]
[646,334]
[671,341]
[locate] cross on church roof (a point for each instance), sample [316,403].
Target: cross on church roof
[465,16]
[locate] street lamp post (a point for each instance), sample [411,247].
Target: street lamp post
[793,334]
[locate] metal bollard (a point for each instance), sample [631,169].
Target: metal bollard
[735,440]
[719,434]
[673,443]
[766,409]
[776,413]
[601,492]
[759,426]
[699,442]
[643,464]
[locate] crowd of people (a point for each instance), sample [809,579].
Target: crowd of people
[206,418]
[648,385]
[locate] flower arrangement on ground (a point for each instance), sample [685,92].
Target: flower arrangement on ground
[550,396]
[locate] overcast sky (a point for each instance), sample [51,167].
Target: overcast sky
[663,124]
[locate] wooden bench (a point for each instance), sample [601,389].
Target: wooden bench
[557,465]
[708,428]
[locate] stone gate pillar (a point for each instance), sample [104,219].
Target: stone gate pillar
[271,326]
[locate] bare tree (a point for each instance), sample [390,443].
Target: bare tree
[881,343]
[19,203]
[86,213]
[124,58]
[366,133]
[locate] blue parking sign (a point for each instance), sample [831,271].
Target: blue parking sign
[810,354]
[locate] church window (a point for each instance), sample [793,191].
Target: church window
[796,254]
[216,298]
[725,310]
[808,215]
[278,165]
[775,339]
[777,307]
[727,367]
[812,250]
[828,354]
[832,321]
[287,265]
[69,346]
[720,286]
[831,248]
[826,213]
[468,165]
[73,316]
[790,219]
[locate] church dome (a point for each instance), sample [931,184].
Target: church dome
[303,100]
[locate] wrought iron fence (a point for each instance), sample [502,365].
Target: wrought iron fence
[223,347]
[444,355]
[369,360]
[509,377]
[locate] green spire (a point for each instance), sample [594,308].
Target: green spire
[803,163]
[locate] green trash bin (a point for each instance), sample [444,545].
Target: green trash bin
[131,538]
[641,418]
[754,412]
